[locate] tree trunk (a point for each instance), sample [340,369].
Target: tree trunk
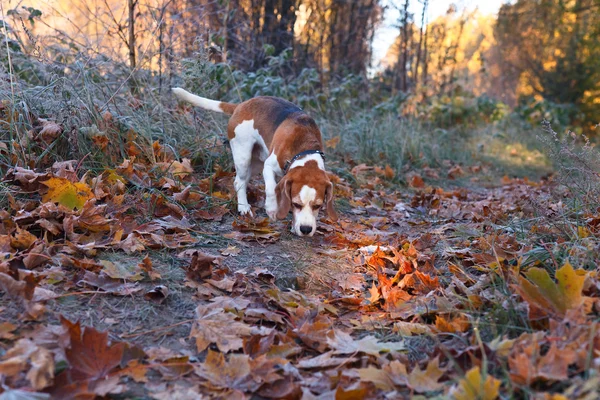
[131,8]
[419,51]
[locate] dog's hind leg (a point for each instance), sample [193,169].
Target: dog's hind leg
[241,149]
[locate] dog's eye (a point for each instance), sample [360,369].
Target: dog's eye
[316,207]
[296,205]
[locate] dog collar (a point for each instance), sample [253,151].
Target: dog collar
[288,163]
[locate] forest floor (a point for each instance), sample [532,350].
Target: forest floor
[137,284]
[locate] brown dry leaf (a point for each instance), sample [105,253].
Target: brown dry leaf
[389,172]
[526,364]
[22,239]
[232,251]
[175,368]
[420,282]
[455,172]
[225,284]
[379,377]
[333,142]
[250,230]
[121,271]
[25,355]
[146,266]
[426,380]
[92,218]
[66,193]
[342,343]
[360,168]
[395,374]
[23,289]
[50,130]
[411,328]
[101,141]
[325,360]
[201,266]
[314,333]
[6,331]
[136,371]
[457,324]
[416,181]
[109,285]
[158,294]
[234,373]
[181,169]
[354,282]
[214,325]
[213,214]
[89,355]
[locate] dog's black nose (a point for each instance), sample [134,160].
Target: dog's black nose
[305,229]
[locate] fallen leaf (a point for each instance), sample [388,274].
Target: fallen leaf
[146,266]
[473,386]
[158,294]
[66,193]
[555,298]
[324,360]
[22,239]
[342,343]
[416,181]
[109,285]
[6,329]
[426,380]
[89,354]
[214,325]
[234,373]
[232,251]
[333,142]
[121,271]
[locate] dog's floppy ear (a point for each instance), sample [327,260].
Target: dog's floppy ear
[284,197]
[329,202]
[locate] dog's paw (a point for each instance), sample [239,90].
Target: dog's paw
[244,209]
[272,214]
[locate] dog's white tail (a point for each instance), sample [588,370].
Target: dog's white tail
[207,104]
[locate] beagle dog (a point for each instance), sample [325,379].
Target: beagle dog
[276,137]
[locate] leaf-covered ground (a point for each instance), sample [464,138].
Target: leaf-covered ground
[138,282]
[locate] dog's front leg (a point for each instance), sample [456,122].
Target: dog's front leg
[270,169]
[242,158]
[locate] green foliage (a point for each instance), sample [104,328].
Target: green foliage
[463,109]
[534,111]
[305,88]
[32,13]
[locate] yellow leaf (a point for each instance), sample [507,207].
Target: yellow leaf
[474,387]
[570,283]
[333,142]
[66,193]
[553,297]
[583,232]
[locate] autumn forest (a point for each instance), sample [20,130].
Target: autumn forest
[461,257]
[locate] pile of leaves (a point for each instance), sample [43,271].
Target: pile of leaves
[436,292]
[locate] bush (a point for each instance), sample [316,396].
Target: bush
[463,109]
[534,111]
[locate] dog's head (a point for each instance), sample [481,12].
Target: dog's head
[305,190]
